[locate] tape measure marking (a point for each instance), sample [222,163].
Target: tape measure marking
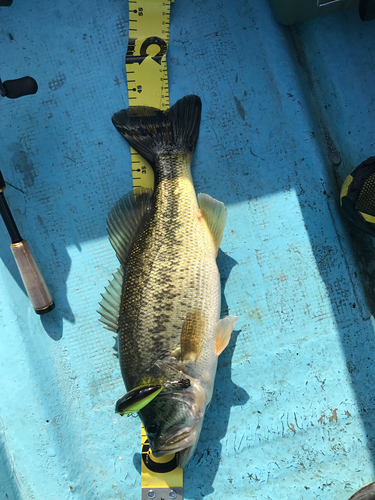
[146,68]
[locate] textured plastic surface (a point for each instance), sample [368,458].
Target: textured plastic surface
[287,114]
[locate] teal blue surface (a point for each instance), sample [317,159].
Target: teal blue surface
[287,113]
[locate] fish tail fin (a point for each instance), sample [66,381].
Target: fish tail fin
[152,132]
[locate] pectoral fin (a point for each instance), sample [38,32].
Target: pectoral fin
[215,213]
[192,335]
[224,328]
[137,398]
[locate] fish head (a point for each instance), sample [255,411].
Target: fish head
[173,420]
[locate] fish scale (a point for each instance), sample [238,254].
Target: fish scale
[178,246]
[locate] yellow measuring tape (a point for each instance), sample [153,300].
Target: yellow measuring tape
[146,69]
[161,477]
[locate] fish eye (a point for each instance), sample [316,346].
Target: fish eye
[153,430]
[184,383]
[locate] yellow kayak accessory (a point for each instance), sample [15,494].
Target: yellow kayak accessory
[357,198]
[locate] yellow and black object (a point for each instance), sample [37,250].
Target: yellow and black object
[357,198]
[161,476]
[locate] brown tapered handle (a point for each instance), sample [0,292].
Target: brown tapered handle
[32,278]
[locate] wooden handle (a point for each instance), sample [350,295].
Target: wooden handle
[32,278]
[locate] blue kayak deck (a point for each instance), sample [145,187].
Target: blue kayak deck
[288,112]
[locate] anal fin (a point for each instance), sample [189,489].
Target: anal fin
[224,328]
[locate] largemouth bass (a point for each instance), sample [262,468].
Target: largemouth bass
[164,301]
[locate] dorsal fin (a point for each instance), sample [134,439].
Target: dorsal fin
[124,219]
[110,304]
[215,213]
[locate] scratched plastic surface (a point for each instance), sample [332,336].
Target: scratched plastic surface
[287,113]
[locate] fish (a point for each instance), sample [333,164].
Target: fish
[164,300]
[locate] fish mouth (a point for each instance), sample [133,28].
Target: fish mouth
[176,443]
[184,454]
